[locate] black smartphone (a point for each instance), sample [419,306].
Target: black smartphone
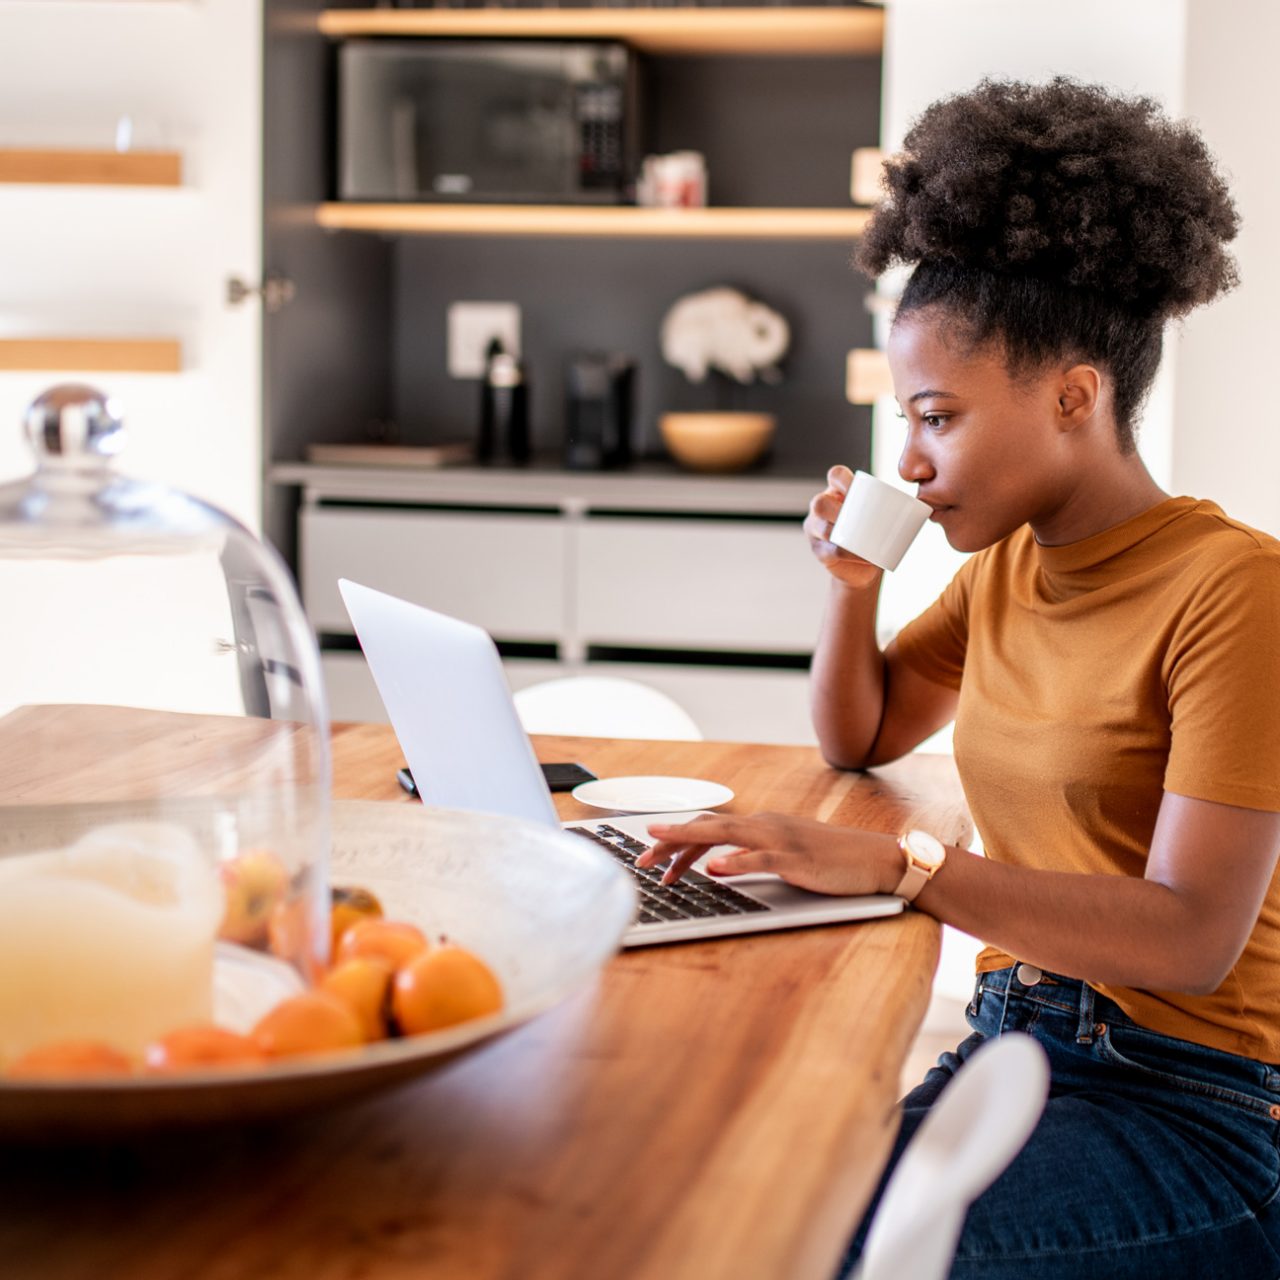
[564,777]
[560,777]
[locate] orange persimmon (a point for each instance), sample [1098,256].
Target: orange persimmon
[441,987]
[395,942]
[202,1045]
[289,936]
[70,1059]
[348,906]
[364,984]
[314,1022]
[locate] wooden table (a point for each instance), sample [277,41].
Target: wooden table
[715,1109]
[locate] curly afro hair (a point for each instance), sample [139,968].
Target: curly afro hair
[1061,219]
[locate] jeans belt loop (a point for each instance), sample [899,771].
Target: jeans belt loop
[1084,1029]
[1004,1003]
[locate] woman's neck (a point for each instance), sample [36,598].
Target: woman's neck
[1106,497]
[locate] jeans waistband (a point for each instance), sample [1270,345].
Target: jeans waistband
[1052,990]
[1070,1014]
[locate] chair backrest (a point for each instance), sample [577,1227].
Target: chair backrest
[979,1123]
[603,707]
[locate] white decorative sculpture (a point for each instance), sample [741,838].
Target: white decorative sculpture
[723,329]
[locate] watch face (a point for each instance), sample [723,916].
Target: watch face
[928,848]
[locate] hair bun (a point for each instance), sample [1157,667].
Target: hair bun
[1063,181]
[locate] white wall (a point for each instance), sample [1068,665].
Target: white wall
[129,262]
[938,47]
[1226,443]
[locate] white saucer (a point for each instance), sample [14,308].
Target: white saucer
[652,795]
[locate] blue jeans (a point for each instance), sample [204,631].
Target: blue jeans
[1154,1158]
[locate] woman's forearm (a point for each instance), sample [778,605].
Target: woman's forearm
[1114,930]
[847,677]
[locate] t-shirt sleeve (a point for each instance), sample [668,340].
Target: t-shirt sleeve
[1223,679]
[934,644]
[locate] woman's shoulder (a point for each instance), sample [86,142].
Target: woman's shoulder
[1220,534]
[1216,544]
[1223,572]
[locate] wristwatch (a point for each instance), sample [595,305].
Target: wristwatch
[924,854]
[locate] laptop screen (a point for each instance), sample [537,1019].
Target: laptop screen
[443,686]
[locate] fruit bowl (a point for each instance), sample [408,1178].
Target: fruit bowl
[544,908]
[716,441]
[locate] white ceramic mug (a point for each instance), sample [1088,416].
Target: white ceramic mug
[877,521]
[675,181]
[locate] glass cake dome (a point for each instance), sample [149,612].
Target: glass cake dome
[164,754]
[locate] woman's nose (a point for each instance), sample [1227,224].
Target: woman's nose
[913,464]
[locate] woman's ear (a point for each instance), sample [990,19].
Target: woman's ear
[1079,392]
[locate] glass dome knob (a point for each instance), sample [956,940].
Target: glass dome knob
[75,423]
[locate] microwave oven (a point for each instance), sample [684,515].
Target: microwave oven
[510,121]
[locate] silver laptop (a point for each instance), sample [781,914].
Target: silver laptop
[443,686]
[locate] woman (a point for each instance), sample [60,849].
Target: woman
[1109,656]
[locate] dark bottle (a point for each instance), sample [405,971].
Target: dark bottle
[504,410]
[599,392]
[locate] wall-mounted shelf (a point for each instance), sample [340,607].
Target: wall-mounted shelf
[616,221]
[91,355]
[92,168]
[783,32]
[866,376]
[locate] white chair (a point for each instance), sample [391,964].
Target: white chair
[980,1122]
[603,707]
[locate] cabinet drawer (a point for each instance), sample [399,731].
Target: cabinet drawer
[734,585]
[352,693]
[354,696]
[505,573]
[729,704]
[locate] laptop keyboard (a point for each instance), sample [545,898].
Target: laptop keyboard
[693,897]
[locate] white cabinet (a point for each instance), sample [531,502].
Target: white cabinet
[702,589]
[502,570]
[732,584]
[354,696]
[730,704]
[352,693]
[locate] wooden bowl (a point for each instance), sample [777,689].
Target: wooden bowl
[716,441]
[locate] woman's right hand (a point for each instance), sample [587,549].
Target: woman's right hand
[853,571]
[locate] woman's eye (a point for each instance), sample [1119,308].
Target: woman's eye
[934,421]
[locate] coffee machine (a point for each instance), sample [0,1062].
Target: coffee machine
[599,403]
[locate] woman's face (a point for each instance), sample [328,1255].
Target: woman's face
[988,452]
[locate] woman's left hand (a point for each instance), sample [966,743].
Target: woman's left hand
[811,855]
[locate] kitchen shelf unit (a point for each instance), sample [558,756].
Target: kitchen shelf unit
[91,355]
[766,32]
[43,167]
[652,573]
[739,32]
[618,222]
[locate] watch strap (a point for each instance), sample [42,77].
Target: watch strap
[912,882]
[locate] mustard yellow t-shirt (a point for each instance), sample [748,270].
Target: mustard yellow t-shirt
[1094,677]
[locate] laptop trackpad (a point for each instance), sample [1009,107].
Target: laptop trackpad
[765,886]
